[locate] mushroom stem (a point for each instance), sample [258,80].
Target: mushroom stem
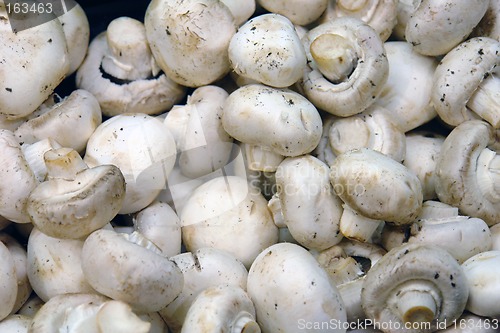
[63,163]
[245,322]
[488,173]
[334,55]
[356,226]
[416,306]
[486,100]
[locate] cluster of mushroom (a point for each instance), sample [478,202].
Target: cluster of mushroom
[271,173]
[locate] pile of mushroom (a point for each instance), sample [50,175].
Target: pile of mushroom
[252,166]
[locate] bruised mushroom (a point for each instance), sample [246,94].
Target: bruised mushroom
[415,286]
[466,83]
[75,200]
[274,273]
[467,171]
[433,28]
[267,49]
[347,66]
[186,43]
[122,73]
[222,308]
[69,122]
[130,268]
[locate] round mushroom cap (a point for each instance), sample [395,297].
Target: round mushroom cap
[142,148]
[8,282]
[225,213]
[267,49]
[377,186]
[459,76]
[187,45]
[75,208]
[118,266]
[280,120]
[434,28]
[300,12]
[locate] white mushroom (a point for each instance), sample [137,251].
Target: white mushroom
[15,324]
[8,282]
[122,73]
[186,43]
[76,30]
[406,95]
[483,279]
[18,180]
[222,308]
[461,236]
[267,49]
[381,15]
[362,178]
[300,12]
[241,10]
[495,237]
[33,62]
[307,203]
[373,128]
[279,119]
[260,158]
[415,286]
[202,269]
[54,266]
[433,28]
[160,224]
[223,213]
[142,148]
[466,83]
[69,122]
[34,155]
[348,66]
[203,144]
[467,171]
[290,290]
[131,269]
[75,200]
[422,152]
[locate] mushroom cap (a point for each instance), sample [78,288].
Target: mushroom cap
[74,208]
[34,62]
[186,43]
[427,269]
[300,12]
[18,180]
[406,95]
[142,148]
[362,178]
[226,214]
[70,122]
[289,287]
[462,180]
[204,268]
[278,119]
[149,95]
[267,49]
[367,79]
[117,267]
[222,308]
[54,266]
[458,76]
[310,209]
[433,28]
[15,323]
[241,10]
[483,279]
[8,282]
